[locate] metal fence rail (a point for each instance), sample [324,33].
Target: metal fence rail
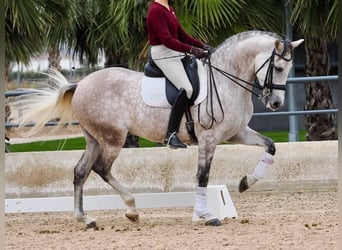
[301,80]
[312,79]
[296,112]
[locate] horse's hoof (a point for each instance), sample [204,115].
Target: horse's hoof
[132,216]
[91,224]
[243,184]
[88,221]
[213,222]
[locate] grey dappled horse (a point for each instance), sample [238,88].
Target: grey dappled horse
[108,105]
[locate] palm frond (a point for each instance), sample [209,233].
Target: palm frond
[23,30]
[315,19]
[265,15]
[214,13]
[331,23]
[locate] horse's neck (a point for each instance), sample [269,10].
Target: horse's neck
[239,60]
[235,63]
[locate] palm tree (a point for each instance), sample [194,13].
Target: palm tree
[60,27]
[118,27]
[24,29]
[316,21]
[214,21]
[34,26]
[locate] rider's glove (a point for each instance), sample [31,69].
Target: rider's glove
[198,52]
[206,47]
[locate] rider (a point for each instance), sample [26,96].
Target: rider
[169,43]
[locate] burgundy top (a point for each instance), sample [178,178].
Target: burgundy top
[163,28]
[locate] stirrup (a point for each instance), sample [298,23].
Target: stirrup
[172,141]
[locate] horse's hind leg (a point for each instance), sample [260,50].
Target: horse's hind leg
[103,166]
[81,173]
[251,137]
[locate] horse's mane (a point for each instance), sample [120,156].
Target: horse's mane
[231,41]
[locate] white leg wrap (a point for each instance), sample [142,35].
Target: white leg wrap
[201,201]
[262,166]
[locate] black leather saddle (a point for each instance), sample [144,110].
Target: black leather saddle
[190,66]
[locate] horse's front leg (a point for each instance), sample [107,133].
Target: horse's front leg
[251,137]
[205,156]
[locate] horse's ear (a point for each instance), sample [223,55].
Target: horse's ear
[297,43]
[278,45]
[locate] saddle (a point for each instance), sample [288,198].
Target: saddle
[190,66]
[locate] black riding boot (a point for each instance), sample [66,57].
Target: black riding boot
[177,111]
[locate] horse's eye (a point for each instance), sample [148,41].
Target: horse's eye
[278,69]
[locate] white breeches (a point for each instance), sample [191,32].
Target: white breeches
[169,61]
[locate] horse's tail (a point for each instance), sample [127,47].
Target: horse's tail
[52,103]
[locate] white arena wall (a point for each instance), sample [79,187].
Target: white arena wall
[297,166]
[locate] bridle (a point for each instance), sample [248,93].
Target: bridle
[268,82]
[266,88]
[268,85]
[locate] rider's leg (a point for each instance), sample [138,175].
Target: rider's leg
[170,63]
[177,111]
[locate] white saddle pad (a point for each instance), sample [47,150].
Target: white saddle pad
[153,89]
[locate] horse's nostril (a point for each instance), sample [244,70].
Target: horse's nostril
[276,105]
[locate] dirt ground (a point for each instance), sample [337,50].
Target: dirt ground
[266,220]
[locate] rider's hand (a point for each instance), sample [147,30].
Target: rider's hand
[206,47]
[198,52]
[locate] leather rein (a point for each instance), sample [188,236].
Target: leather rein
[268,82]
[267,87]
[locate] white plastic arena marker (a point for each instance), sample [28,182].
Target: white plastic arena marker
[219,203]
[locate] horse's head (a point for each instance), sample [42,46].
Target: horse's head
[272,72]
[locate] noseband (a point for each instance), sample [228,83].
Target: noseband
[268,83]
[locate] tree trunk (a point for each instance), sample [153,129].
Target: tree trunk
[318,94]
[112,60]
[7,65]
[54,58]
[54,62]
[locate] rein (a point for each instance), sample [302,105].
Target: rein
[268,82]
[236,80]
[211,87]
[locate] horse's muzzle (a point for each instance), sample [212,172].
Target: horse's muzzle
[274,102]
